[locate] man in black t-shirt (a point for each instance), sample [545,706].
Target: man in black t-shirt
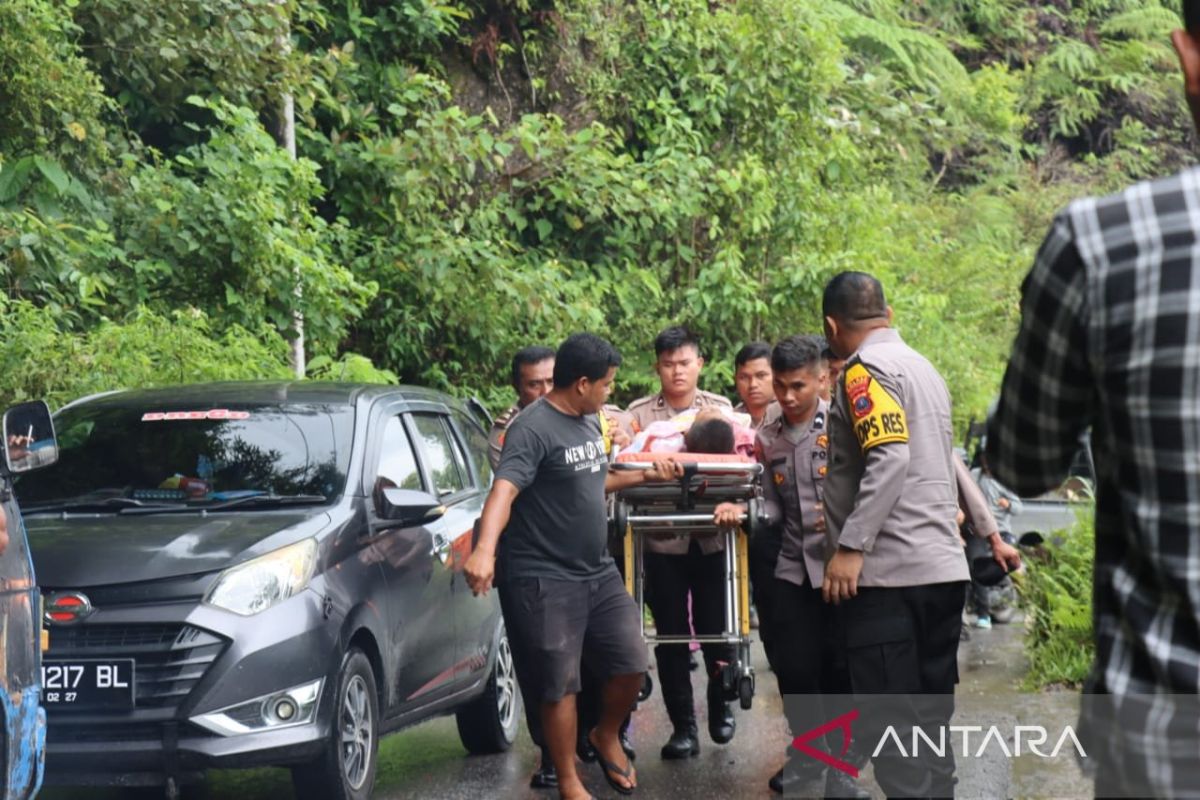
[563,598]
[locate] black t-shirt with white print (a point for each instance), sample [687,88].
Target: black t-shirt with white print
[558,527]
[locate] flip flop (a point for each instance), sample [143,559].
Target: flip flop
[609,769]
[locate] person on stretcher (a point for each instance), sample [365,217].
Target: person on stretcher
[706,430]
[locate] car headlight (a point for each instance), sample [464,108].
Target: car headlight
[262,582]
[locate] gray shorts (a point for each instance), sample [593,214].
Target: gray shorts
[555,626]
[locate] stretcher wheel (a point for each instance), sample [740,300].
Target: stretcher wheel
[647,688]
[746,692]
[753,524]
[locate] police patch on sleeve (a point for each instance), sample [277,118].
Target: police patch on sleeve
[876,416]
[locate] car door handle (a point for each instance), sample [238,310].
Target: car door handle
[441,547]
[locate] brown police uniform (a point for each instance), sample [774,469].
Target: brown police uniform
[496,435]
[801,638]
[890,494]
[675,567]
[772,413]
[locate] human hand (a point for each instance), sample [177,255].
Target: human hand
[841,575]
[618,435]
[1005,554]
[1003,503]
[728,515]
[666,469]
[480,570]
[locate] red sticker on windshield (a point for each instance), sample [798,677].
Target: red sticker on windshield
[175,416]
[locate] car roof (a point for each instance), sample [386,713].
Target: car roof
[269,393]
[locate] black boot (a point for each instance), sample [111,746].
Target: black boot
[721,724]
[546,776]
[684,742]
[627,745]
[798,782]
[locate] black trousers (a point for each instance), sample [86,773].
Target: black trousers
[903,642]
[810,666]
[763,556]
[669,578]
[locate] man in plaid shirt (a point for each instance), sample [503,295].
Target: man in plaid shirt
[1110,339]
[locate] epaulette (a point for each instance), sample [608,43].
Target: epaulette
[507,417]
[719,400]
[642,401]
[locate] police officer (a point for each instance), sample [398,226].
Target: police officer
[532,377]
[793,451]
[752,379]
[896,568]
[679,565]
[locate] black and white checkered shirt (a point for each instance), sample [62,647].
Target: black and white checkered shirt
[1110,339]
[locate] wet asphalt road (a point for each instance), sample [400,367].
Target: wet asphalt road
[428,761]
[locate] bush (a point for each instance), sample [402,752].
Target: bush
[1057,593]
[39,360]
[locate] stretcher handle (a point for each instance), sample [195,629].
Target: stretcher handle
[650,520]
[699,466]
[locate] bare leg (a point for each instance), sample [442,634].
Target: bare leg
[558,729]
[620,693]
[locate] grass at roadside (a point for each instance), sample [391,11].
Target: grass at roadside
[1057,595]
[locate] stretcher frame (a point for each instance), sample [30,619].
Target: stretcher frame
[684,507]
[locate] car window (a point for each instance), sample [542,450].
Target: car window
[152,451]
[397,464]
[477,447]
[441,456]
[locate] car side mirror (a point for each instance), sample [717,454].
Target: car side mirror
[409,507]
[29,441]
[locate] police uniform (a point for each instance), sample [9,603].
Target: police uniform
[772,413]
[801,634]
[496,434]
[890,494]
[675,567]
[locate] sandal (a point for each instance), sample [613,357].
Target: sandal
[610,769]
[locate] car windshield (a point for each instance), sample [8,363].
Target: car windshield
[129,456]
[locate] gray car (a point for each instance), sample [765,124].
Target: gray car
[249,574]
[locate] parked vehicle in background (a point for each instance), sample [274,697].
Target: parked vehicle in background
[28,442]
[1040,517]
[250,574]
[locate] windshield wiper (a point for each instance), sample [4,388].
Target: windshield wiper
[267,500]
[117,504]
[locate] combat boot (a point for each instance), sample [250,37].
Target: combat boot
[684,742]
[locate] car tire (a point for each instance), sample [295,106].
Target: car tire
[346,770]
[489,723]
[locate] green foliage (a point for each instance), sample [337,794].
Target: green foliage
[229,225]
[152,56]
[41,360]
[52,102]
[1057,594]
[477,176]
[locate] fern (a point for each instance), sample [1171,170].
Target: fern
[919,57]
[1148,24]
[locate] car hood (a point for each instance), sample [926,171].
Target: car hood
[99,550]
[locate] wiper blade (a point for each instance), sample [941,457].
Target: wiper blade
[268,500]
[117,504]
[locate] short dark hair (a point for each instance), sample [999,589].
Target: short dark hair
[709,436]
[750,352]
[797,352]
[854,296]
[673,338]
[583,355]
[1191,15]
[534,354]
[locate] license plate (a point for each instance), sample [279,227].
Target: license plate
[80,683]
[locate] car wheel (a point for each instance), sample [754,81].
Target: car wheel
[489,723]
[346,770]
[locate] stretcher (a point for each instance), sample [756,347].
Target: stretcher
[684,508]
